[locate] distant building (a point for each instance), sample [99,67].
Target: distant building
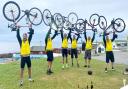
[38,50]
[100,48]
[6,55]
[121,43]
[41,50]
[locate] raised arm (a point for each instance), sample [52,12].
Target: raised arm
[54,35]
[114,37]
[93,36]
[47,35]
[30,34]
[104,40]
[85,35]
[61,32]
[78,36]
[69,34]
[18,37]
[70,37]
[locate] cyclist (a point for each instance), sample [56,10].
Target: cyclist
[109,49]
[88,48]
[64,38]
[25,53]
[49,50]
[74,52]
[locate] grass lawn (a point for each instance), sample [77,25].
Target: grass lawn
[61,79]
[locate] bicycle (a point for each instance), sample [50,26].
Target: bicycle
[81,24]
[54,21]
[118,25]
[12,12]
[70,22]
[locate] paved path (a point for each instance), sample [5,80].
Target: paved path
[120,57]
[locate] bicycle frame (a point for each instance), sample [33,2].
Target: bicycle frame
[52,21]
[26,13]
[101,34]
[86,23]
[111,25]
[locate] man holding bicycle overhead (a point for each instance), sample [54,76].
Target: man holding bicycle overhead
[109,49]
[25,53]
[88,48]
[74,47]
[64,38]
[49,50]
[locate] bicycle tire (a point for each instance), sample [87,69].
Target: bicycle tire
[31,20]
[71,19]
[115,24]
[66,24]
[80,24]
[58,18]
[91,21]
[101,22]
[8,17]
[47,19]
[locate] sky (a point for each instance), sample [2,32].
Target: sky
[84,8]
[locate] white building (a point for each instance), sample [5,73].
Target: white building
[101,49]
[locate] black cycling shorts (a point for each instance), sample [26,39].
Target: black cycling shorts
[25,60]
[65,52]
[74,53]
[49,55]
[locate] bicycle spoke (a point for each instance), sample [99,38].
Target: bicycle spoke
[80,24]
[10,7]
[58,19]
[47,17]
[94,19]
[119,25]
[35,16]
[72,17]
[102,22]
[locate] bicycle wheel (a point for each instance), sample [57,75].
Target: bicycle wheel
[58,18]
[102,22]
[66,24]
[35,16]
[72,17]
[119,25]
[80,24]
[78,30]
[11,11]
[94,19]
[47,17]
